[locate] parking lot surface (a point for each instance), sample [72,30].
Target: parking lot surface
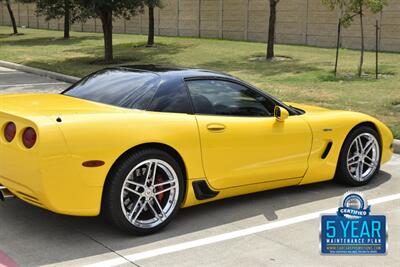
[13,81]
[272,228]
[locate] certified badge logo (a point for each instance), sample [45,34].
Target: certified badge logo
[353,230]
[354,206]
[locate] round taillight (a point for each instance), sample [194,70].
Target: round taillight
[29,137]
[10,131]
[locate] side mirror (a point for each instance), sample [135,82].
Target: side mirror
[280,113]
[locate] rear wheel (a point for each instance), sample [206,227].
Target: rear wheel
[360,157]
[144,192]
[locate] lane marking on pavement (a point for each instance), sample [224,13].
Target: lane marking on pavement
[227,236]
[30,84]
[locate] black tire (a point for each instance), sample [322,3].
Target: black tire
[111,202]
[343,174]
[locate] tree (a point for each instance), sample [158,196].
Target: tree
[57,9]
[106,10]
[11,13]
[152,4]
[353,8]
[271,31]
[340,5]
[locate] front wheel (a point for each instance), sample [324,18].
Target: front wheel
[360,157]
[144,192]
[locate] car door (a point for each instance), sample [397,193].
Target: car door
[242,143]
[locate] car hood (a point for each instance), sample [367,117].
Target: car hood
[308,108]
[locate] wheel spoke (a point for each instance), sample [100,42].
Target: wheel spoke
[131,190]
[148,171]
[154,173]
[134,183]
[352,158]
[371,165]
[360,172]
[161,218]
[151,173]
[360,144]
[369,149]
[164,183]
[154,211]
[369,158]
[165,190]
[159,207]
[358,147]
[368,146]
[139,212]
[352,163]
[134,209]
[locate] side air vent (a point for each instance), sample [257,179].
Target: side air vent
[202,190]
[327,149]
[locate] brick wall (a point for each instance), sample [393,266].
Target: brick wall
[305,22]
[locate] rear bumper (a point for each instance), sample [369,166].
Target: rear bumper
[83,203]
[48,175]
[69,196]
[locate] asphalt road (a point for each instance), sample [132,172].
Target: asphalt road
[288,220]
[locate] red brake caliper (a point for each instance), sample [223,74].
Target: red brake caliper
[159,180]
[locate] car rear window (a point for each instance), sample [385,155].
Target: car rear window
[117,87]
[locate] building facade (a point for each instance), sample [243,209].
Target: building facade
[304,22]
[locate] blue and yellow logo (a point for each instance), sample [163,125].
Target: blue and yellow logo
[353,230]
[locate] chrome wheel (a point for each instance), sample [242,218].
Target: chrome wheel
[149,193]
[363,157]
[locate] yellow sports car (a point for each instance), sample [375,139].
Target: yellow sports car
[136,143]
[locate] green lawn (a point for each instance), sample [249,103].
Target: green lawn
[306,78]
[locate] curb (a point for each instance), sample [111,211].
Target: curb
[40,72]
[396,146]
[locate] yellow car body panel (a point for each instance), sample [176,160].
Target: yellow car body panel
[248,150]
[249,155]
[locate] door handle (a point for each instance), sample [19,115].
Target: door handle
[216,127]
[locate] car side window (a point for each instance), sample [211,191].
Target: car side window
[219,97]
[171,97]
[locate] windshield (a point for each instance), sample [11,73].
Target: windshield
[117,87]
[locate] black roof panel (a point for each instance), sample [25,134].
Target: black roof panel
[175,71]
